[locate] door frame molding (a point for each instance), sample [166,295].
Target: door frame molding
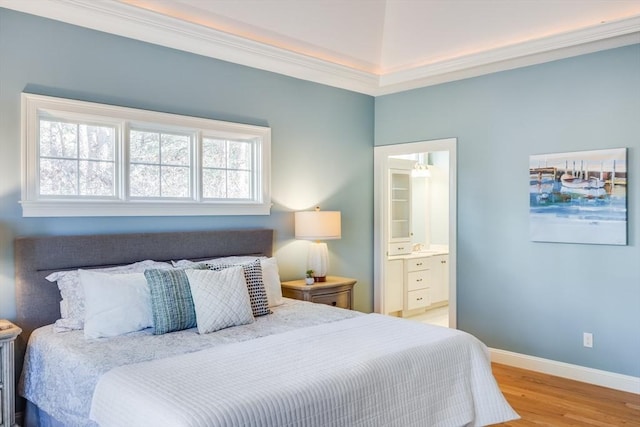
[380,218]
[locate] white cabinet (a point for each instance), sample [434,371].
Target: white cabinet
[424,282]
[418,283]
[400,227]
[399,211]
[440,278]
[394,286]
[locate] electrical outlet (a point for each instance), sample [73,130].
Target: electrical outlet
[587,339]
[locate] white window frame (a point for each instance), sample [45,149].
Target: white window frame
[34,205]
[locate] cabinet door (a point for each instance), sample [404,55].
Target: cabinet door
[393,286]
[400,205]
[440,278]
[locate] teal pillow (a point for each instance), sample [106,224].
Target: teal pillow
[171,301]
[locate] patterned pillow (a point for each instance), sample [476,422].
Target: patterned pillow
[255,285]
[72,306]
[171,301]
[270,274]
[220,298]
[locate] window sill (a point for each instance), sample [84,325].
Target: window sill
[129,208]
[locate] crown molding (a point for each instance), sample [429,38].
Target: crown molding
[135,23]
[579,42]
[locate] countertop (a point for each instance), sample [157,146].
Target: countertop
[433,250]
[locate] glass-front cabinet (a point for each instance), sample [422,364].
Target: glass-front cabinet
[400,215]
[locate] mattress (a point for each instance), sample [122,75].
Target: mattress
[305,364]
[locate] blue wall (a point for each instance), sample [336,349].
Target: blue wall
[317,132]
[514,294]
[531,298]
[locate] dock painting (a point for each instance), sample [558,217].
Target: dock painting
[579,197]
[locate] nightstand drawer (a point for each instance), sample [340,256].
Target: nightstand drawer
[338,299]
[335,291]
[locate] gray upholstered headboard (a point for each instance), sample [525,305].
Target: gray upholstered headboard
[38,300]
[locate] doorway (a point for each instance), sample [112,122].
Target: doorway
[384,159]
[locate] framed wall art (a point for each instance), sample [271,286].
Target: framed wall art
[579,197]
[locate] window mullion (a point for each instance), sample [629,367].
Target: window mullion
[160,164]
[197,168]
[124,160]
[77,159]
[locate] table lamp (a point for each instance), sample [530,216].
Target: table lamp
[316,226]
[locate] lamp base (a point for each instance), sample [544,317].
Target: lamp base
[318,260]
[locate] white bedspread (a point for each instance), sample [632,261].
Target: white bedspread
[370,370]
[68,361]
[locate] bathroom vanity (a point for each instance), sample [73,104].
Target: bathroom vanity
[416,281]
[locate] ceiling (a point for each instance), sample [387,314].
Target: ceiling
[369,46]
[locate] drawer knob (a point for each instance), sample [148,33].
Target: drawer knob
[418,280]
[418,263]
[419,299]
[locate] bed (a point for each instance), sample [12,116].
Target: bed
[299,364]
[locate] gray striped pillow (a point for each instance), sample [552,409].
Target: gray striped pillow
[171,301]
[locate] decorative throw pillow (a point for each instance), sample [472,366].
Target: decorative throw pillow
[270,274]
[72,308]
[255,285]
[115,304]
[220,298]
[171,300]
[271,279]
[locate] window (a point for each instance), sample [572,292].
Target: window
[159,164]
[87,159]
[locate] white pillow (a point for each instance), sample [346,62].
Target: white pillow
[220,298]
[115,304]
[229,260]
[271,279]
[72,310]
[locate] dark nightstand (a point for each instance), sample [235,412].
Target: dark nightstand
[336,291]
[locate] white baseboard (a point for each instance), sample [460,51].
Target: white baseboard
[565,370]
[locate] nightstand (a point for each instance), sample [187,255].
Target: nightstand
[336,291]
[8,334]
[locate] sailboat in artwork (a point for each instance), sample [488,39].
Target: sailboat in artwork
[581,182]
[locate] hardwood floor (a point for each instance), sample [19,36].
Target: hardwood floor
[545,400]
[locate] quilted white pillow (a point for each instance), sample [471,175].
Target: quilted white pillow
[220,298]
[270,273]
[115,304]
[72,309]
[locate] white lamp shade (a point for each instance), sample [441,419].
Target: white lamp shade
[318,225]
